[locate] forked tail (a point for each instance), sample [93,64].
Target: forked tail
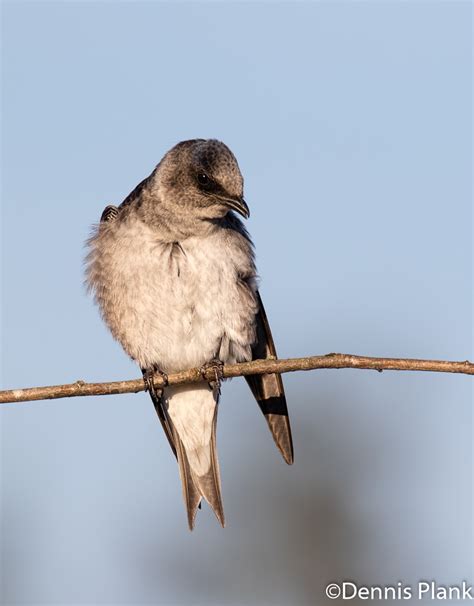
[192,414]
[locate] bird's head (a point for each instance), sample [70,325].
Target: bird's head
[201,177]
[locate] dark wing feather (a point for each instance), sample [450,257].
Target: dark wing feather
[110,213]
[268,389]
[134,196]
[158,403]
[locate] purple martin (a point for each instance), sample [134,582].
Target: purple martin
[173,272]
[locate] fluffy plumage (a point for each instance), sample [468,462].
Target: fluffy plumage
[172,270]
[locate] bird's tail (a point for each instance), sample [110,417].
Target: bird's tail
[192,412]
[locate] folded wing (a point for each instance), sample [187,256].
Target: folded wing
[268,389]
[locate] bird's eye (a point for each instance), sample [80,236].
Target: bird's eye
[203,179]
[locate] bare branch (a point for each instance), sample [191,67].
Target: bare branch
[332,360]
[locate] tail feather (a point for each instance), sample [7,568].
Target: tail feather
[210,483]
[192,414]
[191,493]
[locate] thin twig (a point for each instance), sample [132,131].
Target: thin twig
[257,367]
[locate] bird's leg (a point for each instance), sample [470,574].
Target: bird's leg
[217,366]
[148,378]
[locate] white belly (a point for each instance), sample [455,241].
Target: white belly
[178,307]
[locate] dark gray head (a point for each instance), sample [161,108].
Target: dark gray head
[200,177]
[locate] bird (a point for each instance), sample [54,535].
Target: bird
[172,270]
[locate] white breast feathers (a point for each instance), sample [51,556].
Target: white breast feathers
[175,305]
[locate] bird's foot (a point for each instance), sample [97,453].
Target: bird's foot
[149,375]
[217,367]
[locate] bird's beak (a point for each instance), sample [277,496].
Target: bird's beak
[237,204]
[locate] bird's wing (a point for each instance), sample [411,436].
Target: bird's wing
[158,403]
[109,213]
[268,389]
[135,194]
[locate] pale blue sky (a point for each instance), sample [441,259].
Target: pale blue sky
[352,124]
